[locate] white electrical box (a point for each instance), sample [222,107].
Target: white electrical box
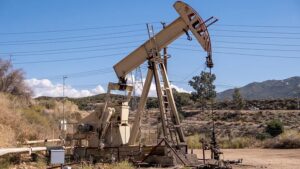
[57,156]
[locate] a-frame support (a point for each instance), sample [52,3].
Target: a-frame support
[166,102]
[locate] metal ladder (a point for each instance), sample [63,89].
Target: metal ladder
[169,119]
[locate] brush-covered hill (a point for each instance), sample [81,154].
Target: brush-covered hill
[269,89]
[28,119]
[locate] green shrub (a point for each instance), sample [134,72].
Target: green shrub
[274,128]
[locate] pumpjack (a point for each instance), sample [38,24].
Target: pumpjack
[107,134]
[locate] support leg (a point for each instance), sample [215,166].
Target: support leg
[172,102]
[141,106]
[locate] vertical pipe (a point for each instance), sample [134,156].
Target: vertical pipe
[165,50]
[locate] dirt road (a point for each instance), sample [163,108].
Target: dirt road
[263,158]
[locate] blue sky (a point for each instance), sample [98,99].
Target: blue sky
[253,40]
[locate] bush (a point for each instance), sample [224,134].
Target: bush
[274,128]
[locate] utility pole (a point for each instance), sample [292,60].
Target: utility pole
[165,50]
[64,118]
[10,58]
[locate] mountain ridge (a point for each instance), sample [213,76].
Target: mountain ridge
[268,89]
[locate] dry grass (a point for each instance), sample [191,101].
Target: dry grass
[120,165]
[21,120]
[193,141]
[288,139]
[123,165]
[238,142]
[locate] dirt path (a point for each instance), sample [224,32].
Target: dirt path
[263,158]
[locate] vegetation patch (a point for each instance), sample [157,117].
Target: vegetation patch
[287,140]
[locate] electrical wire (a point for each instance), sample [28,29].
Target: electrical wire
[243,54]
[80,74]
[75,37]
[259,26]
[241,48]
[77,29]
[69,59]
[78,40]
[76,51]
[250,31]
[62,49]
[256,37]
[256,43]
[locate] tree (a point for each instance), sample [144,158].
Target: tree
[274,127]
[204,88]
[237,99]
[12,80]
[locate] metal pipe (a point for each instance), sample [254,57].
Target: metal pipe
[42,141]
[4,151]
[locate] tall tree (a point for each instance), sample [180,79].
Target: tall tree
[12,80]
[237,99]
[204,88]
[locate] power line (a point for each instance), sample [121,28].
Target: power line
[78,29]
[69,59]
[256,37]
[259,26]
[257,43]
[76,51]
[131,25]
[82,73]
[188,49]
[113,44]
[74,37]
[78,40]
[247,31]
[62,49]
[85,73]
[243,54]
[240,48]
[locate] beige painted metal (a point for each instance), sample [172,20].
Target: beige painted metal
[105,116]
[188,20]
[140,55]
[171,101]
[141,106]
[195,23]
[160,99]
[116,134]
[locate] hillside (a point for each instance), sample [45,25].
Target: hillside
[22,119]
[270,89]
